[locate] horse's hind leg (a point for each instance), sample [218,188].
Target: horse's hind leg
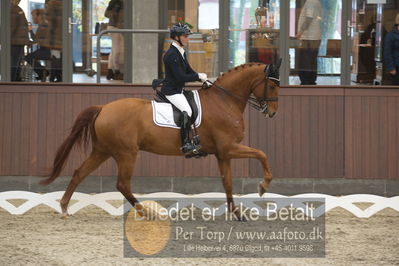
[125,171]
[88,166]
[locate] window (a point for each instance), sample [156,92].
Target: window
[315,42]
[203,15]
[254,31]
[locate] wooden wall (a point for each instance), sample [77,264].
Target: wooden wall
[318,132]
[306,137]
[372,133]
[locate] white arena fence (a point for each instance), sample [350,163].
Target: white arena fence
[83,200]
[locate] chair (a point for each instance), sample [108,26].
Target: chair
[47,64]
[333,48]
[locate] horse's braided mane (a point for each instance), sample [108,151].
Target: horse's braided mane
[240,67]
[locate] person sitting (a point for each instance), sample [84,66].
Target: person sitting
[19,38]
[43,52]
[177,72]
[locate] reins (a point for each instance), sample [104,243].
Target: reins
[253,102]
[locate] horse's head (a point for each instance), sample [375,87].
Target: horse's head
[267,95]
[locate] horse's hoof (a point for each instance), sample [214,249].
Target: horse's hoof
[64,215]
[241,219]
[261,189]
[150,214]
[150,210]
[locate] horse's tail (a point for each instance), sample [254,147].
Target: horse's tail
[82,130]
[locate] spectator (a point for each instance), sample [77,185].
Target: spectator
[43,51]
[391,52]
[309,32]
[54,37]
[19,38]
[114,12]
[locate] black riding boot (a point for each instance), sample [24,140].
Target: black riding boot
[110,74]
[187,147]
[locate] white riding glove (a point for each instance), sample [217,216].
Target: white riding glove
[203,77]
[208,84]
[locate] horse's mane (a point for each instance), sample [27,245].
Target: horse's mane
[239,68]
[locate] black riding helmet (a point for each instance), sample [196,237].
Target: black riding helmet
[179,29]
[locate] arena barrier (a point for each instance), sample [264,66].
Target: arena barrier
[83,200]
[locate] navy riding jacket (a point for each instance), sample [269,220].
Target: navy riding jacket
[177,72]
[391,49]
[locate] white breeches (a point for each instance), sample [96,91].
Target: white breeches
[116,60]
[180,101]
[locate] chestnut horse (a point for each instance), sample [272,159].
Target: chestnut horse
[122,128]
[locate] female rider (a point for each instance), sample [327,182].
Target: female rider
[177,73]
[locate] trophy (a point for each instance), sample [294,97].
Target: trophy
[261,14]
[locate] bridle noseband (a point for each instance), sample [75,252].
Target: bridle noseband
[262,104]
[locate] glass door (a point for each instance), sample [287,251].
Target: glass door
[36,40]
[55,40]
[370,22]
[2,38]
[88,19]
[363,37]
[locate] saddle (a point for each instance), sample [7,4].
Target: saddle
[160,98]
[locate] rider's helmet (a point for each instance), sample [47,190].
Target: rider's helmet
[178,29]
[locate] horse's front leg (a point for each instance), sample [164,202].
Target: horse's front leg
[225,171]
[242,151]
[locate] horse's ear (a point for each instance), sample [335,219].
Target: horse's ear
[268,70]
[279,63]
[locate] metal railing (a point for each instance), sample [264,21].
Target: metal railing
[98,53]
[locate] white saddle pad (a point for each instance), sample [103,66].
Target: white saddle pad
[162,113]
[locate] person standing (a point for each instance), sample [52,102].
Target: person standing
[391,52]
[19,38]
[309,32]
[54,38]
[114,13]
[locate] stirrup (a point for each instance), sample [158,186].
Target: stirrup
[189,149]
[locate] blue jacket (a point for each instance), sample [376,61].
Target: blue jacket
[391,49]
[177,72]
